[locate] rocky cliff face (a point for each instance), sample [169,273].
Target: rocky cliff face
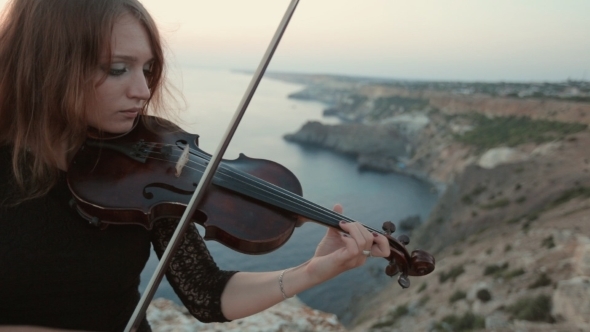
[510,232]
[507,277]
[375,146]
[510,235]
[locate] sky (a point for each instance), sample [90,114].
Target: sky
[445,40]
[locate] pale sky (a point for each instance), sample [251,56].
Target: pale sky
[484,40]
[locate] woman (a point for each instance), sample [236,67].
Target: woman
[69,69]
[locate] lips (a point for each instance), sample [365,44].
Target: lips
[131,113]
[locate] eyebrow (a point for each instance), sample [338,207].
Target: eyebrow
[129,58]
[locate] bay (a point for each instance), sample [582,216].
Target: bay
[326,177]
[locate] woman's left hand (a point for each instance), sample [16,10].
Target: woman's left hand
[339,251]
[247,293]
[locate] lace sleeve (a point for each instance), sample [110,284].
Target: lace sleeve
[193,274]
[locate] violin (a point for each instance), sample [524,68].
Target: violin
[252,206]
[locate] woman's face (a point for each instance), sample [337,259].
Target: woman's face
[121,96]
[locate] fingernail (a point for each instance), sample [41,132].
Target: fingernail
[342,222]
[375,234]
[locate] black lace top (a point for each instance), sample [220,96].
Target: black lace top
[56,270]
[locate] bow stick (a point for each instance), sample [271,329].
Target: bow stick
[148,294]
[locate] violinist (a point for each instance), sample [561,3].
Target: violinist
[70,69]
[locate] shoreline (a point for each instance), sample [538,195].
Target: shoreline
[514,201]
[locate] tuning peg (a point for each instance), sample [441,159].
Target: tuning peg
[403,281]
[404,239]
[388,227]
[391,269]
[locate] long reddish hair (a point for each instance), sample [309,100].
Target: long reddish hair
[49,52]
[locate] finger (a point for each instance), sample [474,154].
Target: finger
[352,253]
[380,247]
[366,234]
[367,237]
[333,232]
[337,208]
[356,233]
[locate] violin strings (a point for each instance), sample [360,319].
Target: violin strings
[268,188]
[273,190]
[261,185]
[246,178]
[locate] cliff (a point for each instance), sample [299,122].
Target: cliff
[372,145]
[510,232]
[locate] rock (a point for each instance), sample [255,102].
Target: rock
[411,123]
[581,259]
[165,315]
[497,320]
[376,162]
[288,316]
[499,156]
[546,149]
[571,301]
[352,139]
[477,287]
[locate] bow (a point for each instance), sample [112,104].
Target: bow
[147,296]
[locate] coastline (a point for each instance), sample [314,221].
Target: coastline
[512,177]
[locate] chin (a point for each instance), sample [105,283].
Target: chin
[115,129]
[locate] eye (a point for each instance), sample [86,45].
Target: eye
[147,70]
[147,73]
[117,70]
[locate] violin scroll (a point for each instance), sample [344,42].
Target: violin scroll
[419,263]
[422,263]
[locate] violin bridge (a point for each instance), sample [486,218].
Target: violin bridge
[182,161]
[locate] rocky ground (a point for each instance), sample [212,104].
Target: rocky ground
[512,249]
[503,279]
[289,316]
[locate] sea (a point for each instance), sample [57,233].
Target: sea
[211,97]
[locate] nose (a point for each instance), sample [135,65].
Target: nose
[138,87]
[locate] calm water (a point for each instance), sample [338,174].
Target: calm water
[327,178]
